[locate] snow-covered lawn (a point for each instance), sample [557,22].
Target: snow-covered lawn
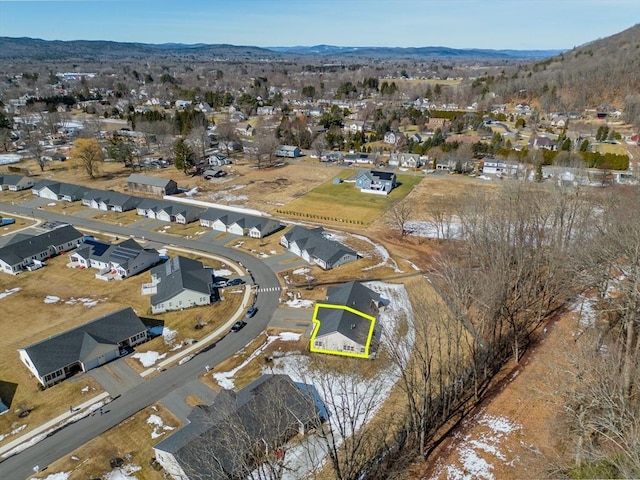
[338,389]
[225,379]
[299,303]
[87,302]
[223,272]
[446,231]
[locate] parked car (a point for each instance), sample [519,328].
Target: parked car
[238,326]
[235,281]
[251,312]
[221,283]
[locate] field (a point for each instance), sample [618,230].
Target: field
[343,203]
[56,298]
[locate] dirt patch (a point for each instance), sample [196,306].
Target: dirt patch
[512,433]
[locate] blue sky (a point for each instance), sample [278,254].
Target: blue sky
[512,24]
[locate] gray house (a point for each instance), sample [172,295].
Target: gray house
[108,200]
[180,283]
[376,181]
[345,323]
[230,437]
[154,185]
[23,252]
[405,160]
[126,259]
[15,183]
[66,192]
[238,223]
[313,247]
[85,347]
[288,151]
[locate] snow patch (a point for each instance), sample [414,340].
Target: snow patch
[301,271]
[168,335]
[223,272]
[123,473]
[148,359]
[51,299]
[8,292]
[58,476]
[299,303]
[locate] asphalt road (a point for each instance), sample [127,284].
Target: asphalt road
[66,440]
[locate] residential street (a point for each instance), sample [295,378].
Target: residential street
[162,385]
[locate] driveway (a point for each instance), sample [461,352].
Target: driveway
[116,377]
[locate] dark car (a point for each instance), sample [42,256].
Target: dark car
[238,326]
[251,312]
[235,281]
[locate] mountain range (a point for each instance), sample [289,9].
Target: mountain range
[36,49]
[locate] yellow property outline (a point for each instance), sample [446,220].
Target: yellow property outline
[316,327]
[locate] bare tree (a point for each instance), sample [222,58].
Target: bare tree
[399,217]
[265,144]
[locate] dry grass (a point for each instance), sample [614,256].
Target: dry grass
[265,189]
[21,222]
[27,319]
[130,440]
[116,218]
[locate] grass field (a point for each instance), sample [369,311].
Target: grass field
[343,203]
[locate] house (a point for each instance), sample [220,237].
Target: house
[181,283]
[217,160]
[288,151]
[345,323]
[238,223]
[24,251]
[447,164]
[405,160]
[15,183]
[496,166]
[84,347]
[230,437]
[178,213]
[536,143]
[392,138]
[360,158]
[354,126]
[416,138]
[314,247]
[127,258]
[155,185]
[376,181]
[60,191]
[108,200]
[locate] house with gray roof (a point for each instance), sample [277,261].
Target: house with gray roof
[289,151]
[84,347]
[376,181]
[108,200]
[345,324]
[153,185]
[405,160]
[169,211]
[181,283]
[231,437]
[125,259]
[23,251]
[315,248]
[60,191]
[239,223]
[15,183]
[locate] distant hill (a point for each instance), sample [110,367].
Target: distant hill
[36,49]
[606,70]
[416,52]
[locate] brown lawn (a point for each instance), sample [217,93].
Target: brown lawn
[27,318]
[132,440]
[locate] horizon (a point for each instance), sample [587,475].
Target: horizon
[498,25]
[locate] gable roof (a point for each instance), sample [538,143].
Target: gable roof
[119,254]
[16,251]
[178,274]
[317,245]
[84,342]
[377,175]
[112,198]
[216,442]
[148,180]
[353,326]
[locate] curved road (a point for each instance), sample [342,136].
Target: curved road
[66,440]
